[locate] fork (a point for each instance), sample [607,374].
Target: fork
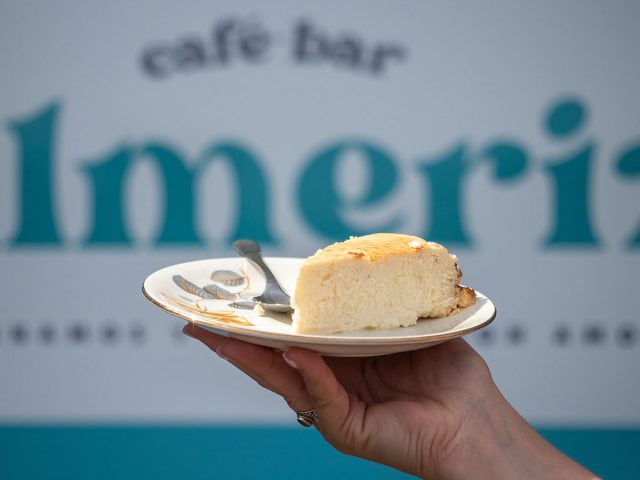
[274,298]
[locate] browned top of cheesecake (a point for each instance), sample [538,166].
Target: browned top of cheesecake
[374,247]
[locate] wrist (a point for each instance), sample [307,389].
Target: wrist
[495,442]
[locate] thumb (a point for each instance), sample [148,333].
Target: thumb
[329,397]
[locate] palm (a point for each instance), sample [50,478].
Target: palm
[414,392]
[388,409]
[433,412]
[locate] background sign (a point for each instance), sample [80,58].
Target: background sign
[133,138]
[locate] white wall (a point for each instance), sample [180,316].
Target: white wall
[472,75]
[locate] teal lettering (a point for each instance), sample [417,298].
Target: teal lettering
[107,181]
[180,208]
[252,195]
[178,225]
[35,137]
[509,160]
[444,181]
[565,118]
[324,207]
[570,180]
[628,166]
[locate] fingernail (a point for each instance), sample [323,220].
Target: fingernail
[220,353]
[290,362]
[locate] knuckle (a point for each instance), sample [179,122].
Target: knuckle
[324,398]
[262,382]
[295,399]
[293,403]
[323,403]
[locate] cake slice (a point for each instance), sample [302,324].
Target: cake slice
[377,281]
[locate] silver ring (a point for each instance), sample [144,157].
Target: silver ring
[308,418]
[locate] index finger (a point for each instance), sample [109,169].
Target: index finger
[261,363]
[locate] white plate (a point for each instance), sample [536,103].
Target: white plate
[274,330]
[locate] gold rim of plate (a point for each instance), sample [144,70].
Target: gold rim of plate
[251,331]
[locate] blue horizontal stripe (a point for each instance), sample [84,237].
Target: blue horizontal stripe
[187,452]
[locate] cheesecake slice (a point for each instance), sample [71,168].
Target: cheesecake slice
[378,281]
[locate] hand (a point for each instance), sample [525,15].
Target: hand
[435,413]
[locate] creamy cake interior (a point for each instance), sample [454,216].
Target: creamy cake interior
[379,281]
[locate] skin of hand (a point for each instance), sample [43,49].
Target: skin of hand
[435,413]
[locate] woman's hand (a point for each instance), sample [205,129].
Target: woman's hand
[435,413]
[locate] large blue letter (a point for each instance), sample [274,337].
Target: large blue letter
[36,141]
[571,180]
[180,208]
[321,203]
[509,160]
[628,166]
[444,179]
[107,182]
[252,202]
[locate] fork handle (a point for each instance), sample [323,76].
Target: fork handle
[251,251]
